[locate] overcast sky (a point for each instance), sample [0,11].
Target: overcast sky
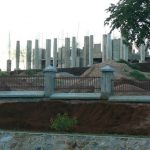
[41,19]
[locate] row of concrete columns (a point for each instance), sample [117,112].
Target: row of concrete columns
[70,57]
[113,49]
[36,54]
[109,47]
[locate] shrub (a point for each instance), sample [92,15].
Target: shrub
[138,75]
[63,122]
[30,72]
[4,73]
[133,66]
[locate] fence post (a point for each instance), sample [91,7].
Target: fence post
[49,80]
[106,81]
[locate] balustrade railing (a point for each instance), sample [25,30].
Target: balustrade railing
[77,84]
[21,83]
[131,87]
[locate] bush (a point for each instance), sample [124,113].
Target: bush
[4,73]
[138,75]
[133,66]
[63,122]
[30,72]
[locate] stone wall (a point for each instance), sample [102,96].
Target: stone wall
[50,141]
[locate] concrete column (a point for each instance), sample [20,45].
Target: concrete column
[142,53]
[91,48]
[37,55]
[48,52]
[73,52]
[106,82]
[60,57]
[17,54]
[103,47]
[109,47]
[116,49]
[78,62]
[49,80]
[28,57]
[8,65]
[125,52]
[86,52]
[55,53]
[67,52]
[121,48]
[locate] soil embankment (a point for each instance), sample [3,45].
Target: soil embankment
[92,117]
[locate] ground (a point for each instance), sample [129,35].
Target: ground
[93,117]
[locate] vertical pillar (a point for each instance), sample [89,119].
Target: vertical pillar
[103,47]
[74,52]
[86,51]
[67,52]
[125,52]
[28,56]
[60,61]
[8,65]
[91,48]
[49,80]
[109,47]
[48,52]
[142,53]
[116,49]
[55,53]
[121,48]
[106,82]
[37,55]
[17,54]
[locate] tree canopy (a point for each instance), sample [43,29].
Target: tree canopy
[132,17]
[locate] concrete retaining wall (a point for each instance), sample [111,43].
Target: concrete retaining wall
[49,141]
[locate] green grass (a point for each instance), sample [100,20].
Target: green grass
[133,66]
[138,75]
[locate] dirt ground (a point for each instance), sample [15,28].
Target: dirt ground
[108,118]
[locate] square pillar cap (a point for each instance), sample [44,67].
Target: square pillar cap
[50,69]
[107,68]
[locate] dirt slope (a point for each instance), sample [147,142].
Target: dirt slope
[92,117]
[121,70]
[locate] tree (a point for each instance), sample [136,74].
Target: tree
[132,18]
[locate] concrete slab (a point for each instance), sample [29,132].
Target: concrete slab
[79,96]
[130,98]
[9,94]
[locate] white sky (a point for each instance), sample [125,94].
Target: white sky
[41,19]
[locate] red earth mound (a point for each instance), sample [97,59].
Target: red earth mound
[94,117]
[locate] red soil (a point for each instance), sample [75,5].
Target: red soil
[92,117]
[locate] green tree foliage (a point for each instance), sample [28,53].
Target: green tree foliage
[132,17]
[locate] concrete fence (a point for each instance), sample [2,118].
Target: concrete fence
[50,86]
[105,83]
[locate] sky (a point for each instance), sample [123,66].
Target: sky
[49,19]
